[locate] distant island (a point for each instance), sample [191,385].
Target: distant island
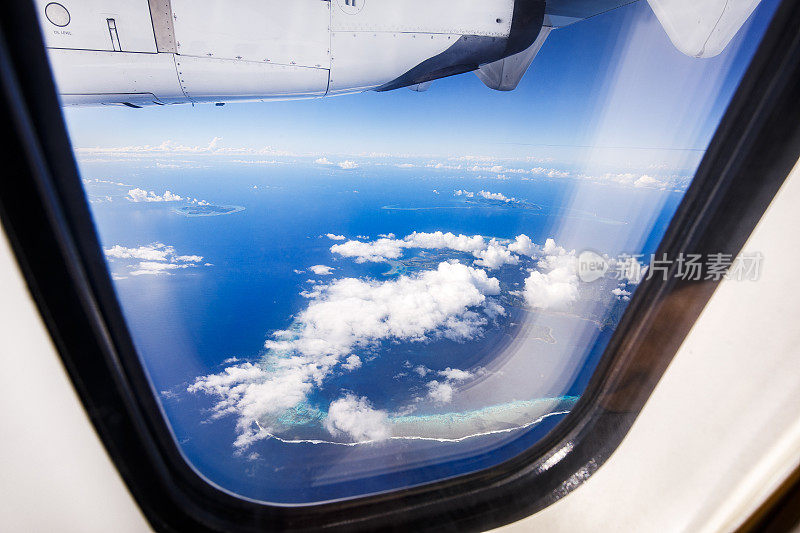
[209,210]
[493,202]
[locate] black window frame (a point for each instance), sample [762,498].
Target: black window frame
[46,218]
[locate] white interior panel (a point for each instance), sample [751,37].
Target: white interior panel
[96,73]
[424,16]
[286,32]
[54,472]
[87,28]
[363,61]
[206,79]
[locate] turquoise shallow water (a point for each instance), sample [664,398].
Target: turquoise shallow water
[450,427]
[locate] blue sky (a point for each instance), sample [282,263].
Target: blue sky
[614,81]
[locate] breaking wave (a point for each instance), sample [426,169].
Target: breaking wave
[459,426]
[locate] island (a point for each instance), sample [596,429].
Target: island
[209,210]
[481,201]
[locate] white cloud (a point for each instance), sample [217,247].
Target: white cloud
[141,195]
[376,251]
[422,370]
[171,148]
[487,195]
[154,268]
[105,181]
[152,252]
[334,237]
[621,293]
[497,169]
[440,392]
[455,374]
[523,245]
[255,395]
[553,290]
[166,155]
[256,162]
[442,166]
[450,301]
[549,172]
[350,311]
[153,259]
[648,181]
[189,258]
[439,240]
[495,255]
[344,165]
[674,182]
[497,196]
[557,286]
[551,248]
[321,270]
[352,362]
[490,255]
[480,158]
[553,287]
[356,419]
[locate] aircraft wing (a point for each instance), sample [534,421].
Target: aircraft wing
[560,13]
[157,52]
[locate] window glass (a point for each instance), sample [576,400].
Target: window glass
[340,296]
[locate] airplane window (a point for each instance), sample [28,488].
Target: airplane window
[335,297]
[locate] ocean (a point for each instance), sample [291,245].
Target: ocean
[471,390]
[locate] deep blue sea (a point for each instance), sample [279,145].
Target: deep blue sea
[193,322]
